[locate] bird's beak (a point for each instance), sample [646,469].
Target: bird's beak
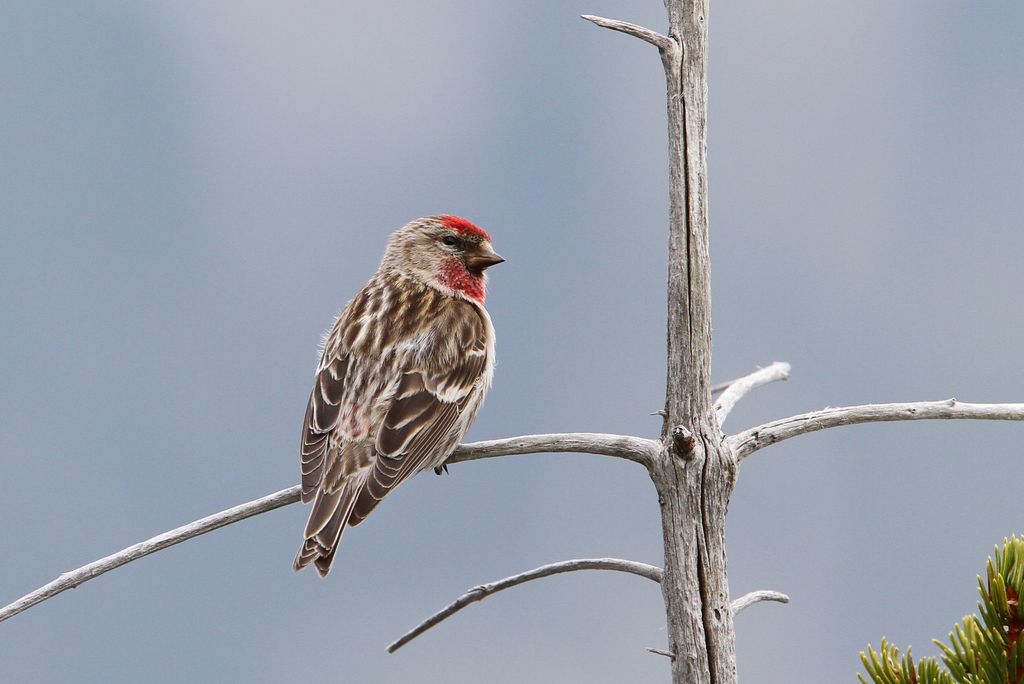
[484,258]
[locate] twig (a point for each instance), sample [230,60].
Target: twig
[747,600]
[70,580]
[754,439]
[658,651]
[653,37]
[484,590]
[740,388]
[630,448]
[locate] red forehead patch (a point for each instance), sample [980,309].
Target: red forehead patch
[461,225]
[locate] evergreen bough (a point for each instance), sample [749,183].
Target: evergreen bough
[985,650]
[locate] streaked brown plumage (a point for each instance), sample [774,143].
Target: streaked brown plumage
[403,374]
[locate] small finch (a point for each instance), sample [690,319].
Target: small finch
[403,373]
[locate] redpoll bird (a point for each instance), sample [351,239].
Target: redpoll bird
[403,373]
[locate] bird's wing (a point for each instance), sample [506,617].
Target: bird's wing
[374,418]
[337,444]
[422,423]
[322,419]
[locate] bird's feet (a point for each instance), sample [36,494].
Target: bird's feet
[440,468]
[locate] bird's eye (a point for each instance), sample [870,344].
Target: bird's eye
[450,240]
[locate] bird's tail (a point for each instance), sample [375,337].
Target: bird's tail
[324,527]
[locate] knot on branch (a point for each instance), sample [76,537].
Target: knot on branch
[683,442]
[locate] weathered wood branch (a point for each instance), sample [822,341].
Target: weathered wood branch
[747,600]
[74,578]
[741,387]
[645,34]
[720,387]
[636,449]
[754,439]
[482,591]
[630,448]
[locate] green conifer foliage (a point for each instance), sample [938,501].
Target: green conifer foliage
[985,650]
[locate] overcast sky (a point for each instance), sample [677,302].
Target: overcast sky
[191,190]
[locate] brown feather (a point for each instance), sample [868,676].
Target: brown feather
[324,528]
[391,471]
[311,456]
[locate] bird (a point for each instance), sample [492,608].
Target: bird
[402,375]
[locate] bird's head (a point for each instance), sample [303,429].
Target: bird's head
[444,252]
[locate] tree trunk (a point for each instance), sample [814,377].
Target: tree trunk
[696,471]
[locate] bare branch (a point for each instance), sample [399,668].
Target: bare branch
[747,600]
[631,448]
[70,580]
[482,591]
[748,383]
[635,449]
[754,439]
[653,37]
[722,386]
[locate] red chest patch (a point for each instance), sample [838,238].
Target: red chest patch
[455,276]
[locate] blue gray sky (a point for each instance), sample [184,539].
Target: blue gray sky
[192,190]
